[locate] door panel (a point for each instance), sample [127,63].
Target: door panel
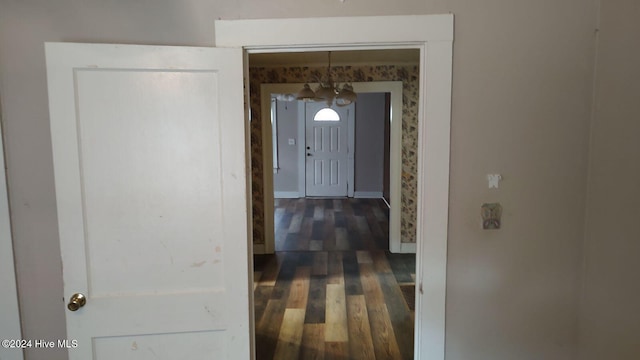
[327,154]
[148,190]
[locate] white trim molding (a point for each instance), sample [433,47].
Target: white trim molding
[259,249]
[367,194]
[407,248]
[286,194]
[433,35]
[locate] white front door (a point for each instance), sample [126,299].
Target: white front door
[327,149]
[151,198]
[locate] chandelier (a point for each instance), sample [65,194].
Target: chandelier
[328,91]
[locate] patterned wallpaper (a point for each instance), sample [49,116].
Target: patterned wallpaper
[408,74]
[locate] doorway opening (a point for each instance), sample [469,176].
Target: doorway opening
[332,262]
[263,157]
[433,35]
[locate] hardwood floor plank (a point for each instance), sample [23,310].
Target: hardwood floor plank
[301,203]
[339,219]
[290,336]
[355,240]
[318,213]
[305,258]
[380,262]
[316,245]
[385,228]
[280,238]
[382,242]
[271,269]
[290,242]
[360,340]
[373,223]
[328,204]
[317,232]
[268,329]
[363,226]
[291,206]
[296,223]
[364,257]
[320,262]
[303,243]
[380,213]
[328,233]
[367,237]
[316,301]
[261,297]
[384,339]
[352,284]
[356,205]
[285,276]
[329,240]
[337,204]
[350,218]
[306,228]
[335,272]
[336,350]
[299,291]
[312,342]
[309,209]
[278,213]
[285,220]
[370,285]
[403,267]
[336,328]
[342,239]
[399,313]
[256,279]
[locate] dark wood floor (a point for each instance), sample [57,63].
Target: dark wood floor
[333,290]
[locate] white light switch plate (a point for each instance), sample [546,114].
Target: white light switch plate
[292,141]
[494,180]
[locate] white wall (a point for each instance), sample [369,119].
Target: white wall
[610,308]
[9,319]
[286,179]
[369,143]
[522,89]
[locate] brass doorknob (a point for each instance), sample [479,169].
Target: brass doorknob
[76,302]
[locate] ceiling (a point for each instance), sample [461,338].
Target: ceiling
[377,57]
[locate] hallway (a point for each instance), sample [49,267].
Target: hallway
[332,290]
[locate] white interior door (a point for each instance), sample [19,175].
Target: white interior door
[151,199]
[327,150]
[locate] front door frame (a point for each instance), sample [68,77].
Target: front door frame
[433,35]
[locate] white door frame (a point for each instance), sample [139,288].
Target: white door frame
[433,35]
[9,311]
[395,170]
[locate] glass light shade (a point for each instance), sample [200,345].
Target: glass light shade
[346,96]
[325,93]
[306,93]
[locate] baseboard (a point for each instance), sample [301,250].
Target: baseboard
[259,249]
[408,248]
[367,194]
[286,194]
